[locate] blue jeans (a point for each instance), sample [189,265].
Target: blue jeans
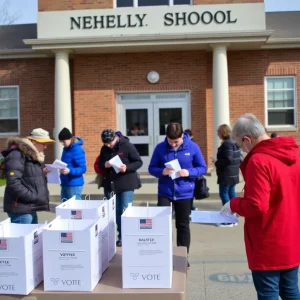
[68,192]
[226,192]
[270,284]
[30,218]
[123,200]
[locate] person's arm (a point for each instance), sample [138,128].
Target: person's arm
[135,161]
[199,165]
[257,191]
[14,170]
[80,163]
[156,166]
[226,156]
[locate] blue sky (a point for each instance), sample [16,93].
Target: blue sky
[26,10]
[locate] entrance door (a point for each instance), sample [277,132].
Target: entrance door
[144,118]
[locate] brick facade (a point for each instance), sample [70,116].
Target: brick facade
[55,5]
[97,79]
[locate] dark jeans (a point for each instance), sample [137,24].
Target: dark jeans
[182,219]
[226,192]
[24,218]
[123,200]
[270,284]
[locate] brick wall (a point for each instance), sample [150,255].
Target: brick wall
[55,5]
[35,78]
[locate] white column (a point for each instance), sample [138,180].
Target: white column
[220,91]
[63,107]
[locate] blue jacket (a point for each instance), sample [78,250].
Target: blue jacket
[74,156]
[189,157]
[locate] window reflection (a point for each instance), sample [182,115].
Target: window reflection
[168,115]
[136,122]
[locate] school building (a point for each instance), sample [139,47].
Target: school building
[136,65]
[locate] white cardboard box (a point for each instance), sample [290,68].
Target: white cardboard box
[21,257]
[147,255]
[71,250]
[93,209]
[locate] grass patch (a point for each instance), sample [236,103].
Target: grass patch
[2,182]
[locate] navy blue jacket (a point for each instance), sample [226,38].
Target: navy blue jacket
[189,157]
[74,156]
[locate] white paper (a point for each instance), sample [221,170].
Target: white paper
[53,176]
[116,163]
[212,217]
[173,164]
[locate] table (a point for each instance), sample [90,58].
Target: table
[110,285]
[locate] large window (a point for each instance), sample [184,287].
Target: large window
[280,101]
[9,109]
[137,3]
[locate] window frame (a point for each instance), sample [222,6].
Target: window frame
[135,4]
[274,109]
[18,109]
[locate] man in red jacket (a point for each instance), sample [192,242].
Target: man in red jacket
[271,207]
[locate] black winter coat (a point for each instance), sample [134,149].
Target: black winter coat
[127,152]
[26,185]
[228,162]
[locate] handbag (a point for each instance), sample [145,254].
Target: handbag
[201,189]
[99,180]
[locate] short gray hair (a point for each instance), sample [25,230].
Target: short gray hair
[248,125]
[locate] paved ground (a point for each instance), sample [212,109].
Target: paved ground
[218,264]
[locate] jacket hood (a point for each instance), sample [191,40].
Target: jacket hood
[283,148]
[122,137]
[77,141]
[186,141]
[25,146]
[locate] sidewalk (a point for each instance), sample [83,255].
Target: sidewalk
[147,193]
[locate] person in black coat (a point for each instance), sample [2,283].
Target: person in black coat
[126,180]
[26,190]
[227,165]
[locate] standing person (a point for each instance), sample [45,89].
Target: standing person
[26,190]
[271,208]
[227,166]
[180,191]
[126,181]
[190,133]
[73,155]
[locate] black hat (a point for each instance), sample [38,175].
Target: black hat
[107,135]
[65,134]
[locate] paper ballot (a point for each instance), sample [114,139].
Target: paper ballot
[116,163]
[173,164]
[212,217]
[53,176]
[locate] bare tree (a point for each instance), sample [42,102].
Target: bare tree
[5,17]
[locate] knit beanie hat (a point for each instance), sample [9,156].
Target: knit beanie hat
[107,135]
[65,134]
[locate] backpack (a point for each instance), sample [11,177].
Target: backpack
[201,189]
[2,167]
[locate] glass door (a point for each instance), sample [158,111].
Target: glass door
[138,124]
[165,113]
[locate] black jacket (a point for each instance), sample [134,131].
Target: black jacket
[228,163]
[26,185]
[127,152]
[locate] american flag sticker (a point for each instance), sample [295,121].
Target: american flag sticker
[3,245]
[66,237]
[96,230]
[35,237]
[76,214]
[145,223]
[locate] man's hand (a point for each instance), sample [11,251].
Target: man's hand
[226,209]
[183,173]
[46,171]
[65,171]
[107,164]
[122,169]
[167,171]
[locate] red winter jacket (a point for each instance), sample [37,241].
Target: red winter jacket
[271,204]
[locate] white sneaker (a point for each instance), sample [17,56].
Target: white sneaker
[235,224]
